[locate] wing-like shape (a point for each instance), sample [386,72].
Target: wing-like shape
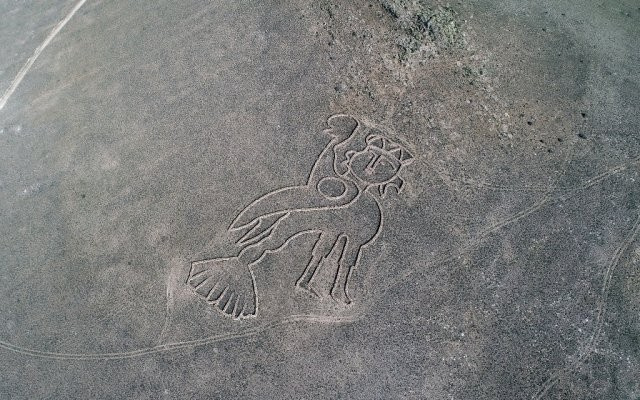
[272,206]
[260,228]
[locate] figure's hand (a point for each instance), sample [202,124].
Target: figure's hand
[341,126]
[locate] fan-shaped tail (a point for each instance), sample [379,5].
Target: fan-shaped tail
[227,284]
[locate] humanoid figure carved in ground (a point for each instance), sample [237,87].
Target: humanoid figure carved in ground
[339,204]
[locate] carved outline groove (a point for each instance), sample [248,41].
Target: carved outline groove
[339,204]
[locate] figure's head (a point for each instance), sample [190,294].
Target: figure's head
[379,163]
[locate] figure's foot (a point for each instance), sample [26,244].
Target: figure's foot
[340,295]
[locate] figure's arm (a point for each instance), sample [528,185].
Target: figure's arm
[341,128]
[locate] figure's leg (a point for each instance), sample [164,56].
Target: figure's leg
[345,267]
[321,249]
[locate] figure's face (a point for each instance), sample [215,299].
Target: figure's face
[373,166]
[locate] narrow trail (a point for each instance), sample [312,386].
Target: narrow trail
[27,66]
[173,346]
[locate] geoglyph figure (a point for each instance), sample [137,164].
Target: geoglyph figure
[339,204]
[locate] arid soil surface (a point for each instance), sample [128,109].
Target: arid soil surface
[384,199]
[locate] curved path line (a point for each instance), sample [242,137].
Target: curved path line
[551,197]
[27,66]
[161,348]
[309,318]
[470,182]
[590,345]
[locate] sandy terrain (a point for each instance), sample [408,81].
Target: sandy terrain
[385,199]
